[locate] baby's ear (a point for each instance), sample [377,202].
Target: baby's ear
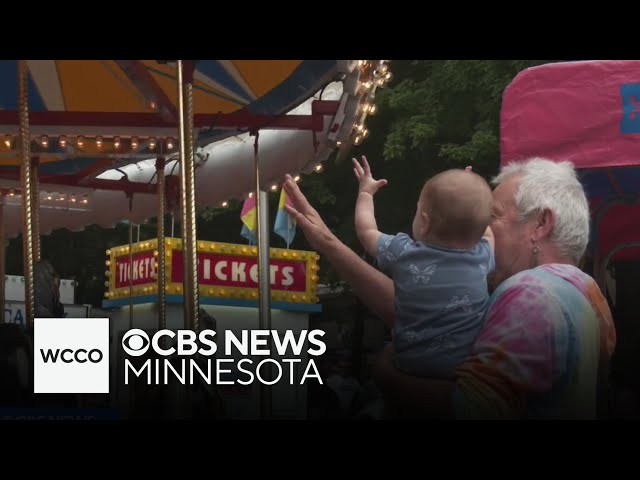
[426,225]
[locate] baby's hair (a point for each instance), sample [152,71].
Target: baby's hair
[458,204]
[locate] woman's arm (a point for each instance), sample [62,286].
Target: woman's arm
[370,285]
[373,287]
[412,397]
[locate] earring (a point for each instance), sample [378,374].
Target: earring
[534,256]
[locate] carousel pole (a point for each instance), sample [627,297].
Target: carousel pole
[36,211]
[132,394]
[2,255]
[162,313]
[187,184]
[264,277]
[130,260]
[27,192]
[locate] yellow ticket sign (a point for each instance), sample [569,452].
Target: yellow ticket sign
[225,270]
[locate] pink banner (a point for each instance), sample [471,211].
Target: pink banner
[585,112]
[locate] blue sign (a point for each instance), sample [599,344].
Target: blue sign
[630,93]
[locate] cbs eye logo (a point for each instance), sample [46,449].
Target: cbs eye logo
[135,342]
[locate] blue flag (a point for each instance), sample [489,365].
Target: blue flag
[249,235]
[285,226]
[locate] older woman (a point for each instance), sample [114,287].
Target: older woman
[547,337]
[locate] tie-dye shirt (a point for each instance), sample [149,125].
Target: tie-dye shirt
[547,333]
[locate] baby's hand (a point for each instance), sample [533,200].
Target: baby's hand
[363,173]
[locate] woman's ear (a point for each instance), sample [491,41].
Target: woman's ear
[543,226]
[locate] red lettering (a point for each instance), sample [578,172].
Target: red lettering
[139,271]
[219,270]
[222,270]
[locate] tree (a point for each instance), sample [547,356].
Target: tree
[448,110]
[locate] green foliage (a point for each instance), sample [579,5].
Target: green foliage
[447,112]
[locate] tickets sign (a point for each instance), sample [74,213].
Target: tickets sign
[224,270]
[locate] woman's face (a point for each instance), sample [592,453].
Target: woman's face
[513,239]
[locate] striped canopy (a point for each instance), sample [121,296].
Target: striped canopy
[85,113]
[98,176]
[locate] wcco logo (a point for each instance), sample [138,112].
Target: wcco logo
[72,355]
[81,355]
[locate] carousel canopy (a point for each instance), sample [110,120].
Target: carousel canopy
[98,126]
[588,113]
[86,113]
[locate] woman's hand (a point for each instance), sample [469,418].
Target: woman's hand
[315,230]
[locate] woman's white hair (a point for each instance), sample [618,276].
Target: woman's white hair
[553,185]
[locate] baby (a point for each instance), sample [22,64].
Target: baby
[440,276]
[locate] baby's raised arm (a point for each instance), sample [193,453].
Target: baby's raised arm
[366,226]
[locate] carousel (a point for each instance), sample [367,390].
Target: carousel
[105,141]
